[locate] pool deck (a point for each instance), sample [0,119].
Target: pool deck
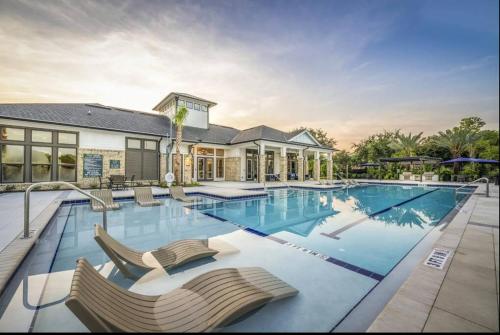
[461,297]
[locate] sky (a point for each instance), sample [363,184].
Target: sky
[352,68]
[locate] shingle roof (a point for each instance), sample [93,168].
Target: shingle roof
[100,117]
[120,119]
[259,133]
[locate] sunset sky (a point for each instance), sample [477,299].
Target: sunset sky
[350,67]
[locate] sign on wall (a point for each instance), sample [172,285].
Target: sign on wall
[114,163]
[92,165]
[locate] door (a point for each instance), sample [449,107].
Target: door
[205,168]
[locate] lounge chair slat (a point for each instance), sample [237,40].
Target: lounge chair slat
[107,197]
[144,197]
[104,306]
[170,256]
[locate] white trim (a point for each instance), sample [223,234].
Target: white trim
[308,133]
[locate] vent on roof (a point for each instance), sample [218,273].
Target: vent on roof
[89,112]
[437,258]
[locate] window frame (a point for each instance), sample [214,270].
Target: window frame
[28,144]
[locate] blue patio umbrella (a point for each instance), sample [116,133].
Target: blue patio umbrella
[470,160]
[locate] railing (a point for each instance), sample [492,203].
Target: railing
[475,181]
[347,182]
[27,203]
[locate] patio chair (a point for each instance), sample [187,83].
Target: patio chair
[107,197]
[177,193]
[205,303]
[102,182]
[144,197]
[170,256]
[118,181]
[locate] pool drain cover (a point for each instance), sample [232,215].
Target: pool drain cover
[437,258]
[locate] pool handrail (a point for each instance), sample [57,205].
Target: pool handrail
[475,181]
[27,203]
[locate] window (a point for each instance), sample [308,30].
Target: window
[12,163]
[204,108]
[41,136]
[133,143]
[34,160]
[150,145]
[219,152]
[66,160]
[41,163]
[269,162]
[197,107]
[181,103]
[67,138]
[189,104]
[205,151]
[12,134]
[220,168]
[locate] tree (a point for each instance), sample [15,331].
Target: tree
[179,118]
[472,124]
[320,135]
[407,145]
[374,147]
[455,140]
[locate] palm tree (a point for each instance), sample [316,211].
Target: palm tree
[407,144]
[179,118]
[455,140]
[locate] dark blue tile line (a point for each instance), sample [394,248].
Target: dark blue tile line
[332,260]
[215,217]
[415,184]
[401,203]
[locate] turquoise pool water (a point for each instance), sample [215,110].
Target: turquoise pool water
[371,227]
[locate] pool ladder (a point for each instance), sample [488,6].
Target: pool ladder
[27,203]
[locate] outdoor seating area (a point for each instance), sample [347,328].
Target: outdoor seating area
[117,182]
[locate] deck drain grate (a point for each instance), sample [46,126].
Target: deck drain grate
[437,258]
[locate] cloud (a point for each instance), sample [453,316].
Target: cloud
[264,63]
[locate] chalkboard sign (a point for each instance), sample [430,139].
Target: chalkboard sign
[92,165]
[114,163]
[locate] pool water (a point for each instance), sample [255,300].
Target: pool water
[371,227]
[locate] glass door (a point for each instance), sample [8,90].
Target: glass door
[209,168]
[201,168]
[205,168]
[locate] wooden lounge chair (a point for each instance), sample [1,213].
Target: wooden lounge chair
[144,197]
[207,302]
[168,257]
[107,197]
[177,193]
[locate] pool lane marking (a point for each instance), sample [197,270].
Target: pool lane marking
[334,234]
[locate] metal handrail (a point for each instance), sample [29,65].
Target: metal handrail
[475,181]
[27,203]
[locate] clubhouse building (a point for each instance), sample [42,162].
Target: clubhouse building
[82,142]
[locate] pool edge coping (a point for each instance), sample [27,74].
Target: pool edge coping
[406,299]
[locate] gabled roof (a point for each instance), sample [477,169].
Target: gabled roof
[214,134]
[173,94]
[271,134]
[259,133]
[95,116]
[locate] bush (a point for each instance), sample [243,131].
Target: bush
[471,171]
[93,185]
[9,188]
[163,184]
[56,187]
[445,174]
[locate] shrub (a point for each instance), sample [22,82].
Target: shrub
[56,187]
[93,185]
[163,184]
[445,174]
[9,188]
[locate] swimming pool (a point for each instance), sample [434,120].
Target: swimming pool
[348,240]
[370,227]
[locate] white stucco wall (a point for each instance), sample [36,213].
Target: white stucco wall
[88,138]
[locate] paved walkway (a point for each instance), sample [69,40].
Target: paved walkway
[12,212]
[464,295]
